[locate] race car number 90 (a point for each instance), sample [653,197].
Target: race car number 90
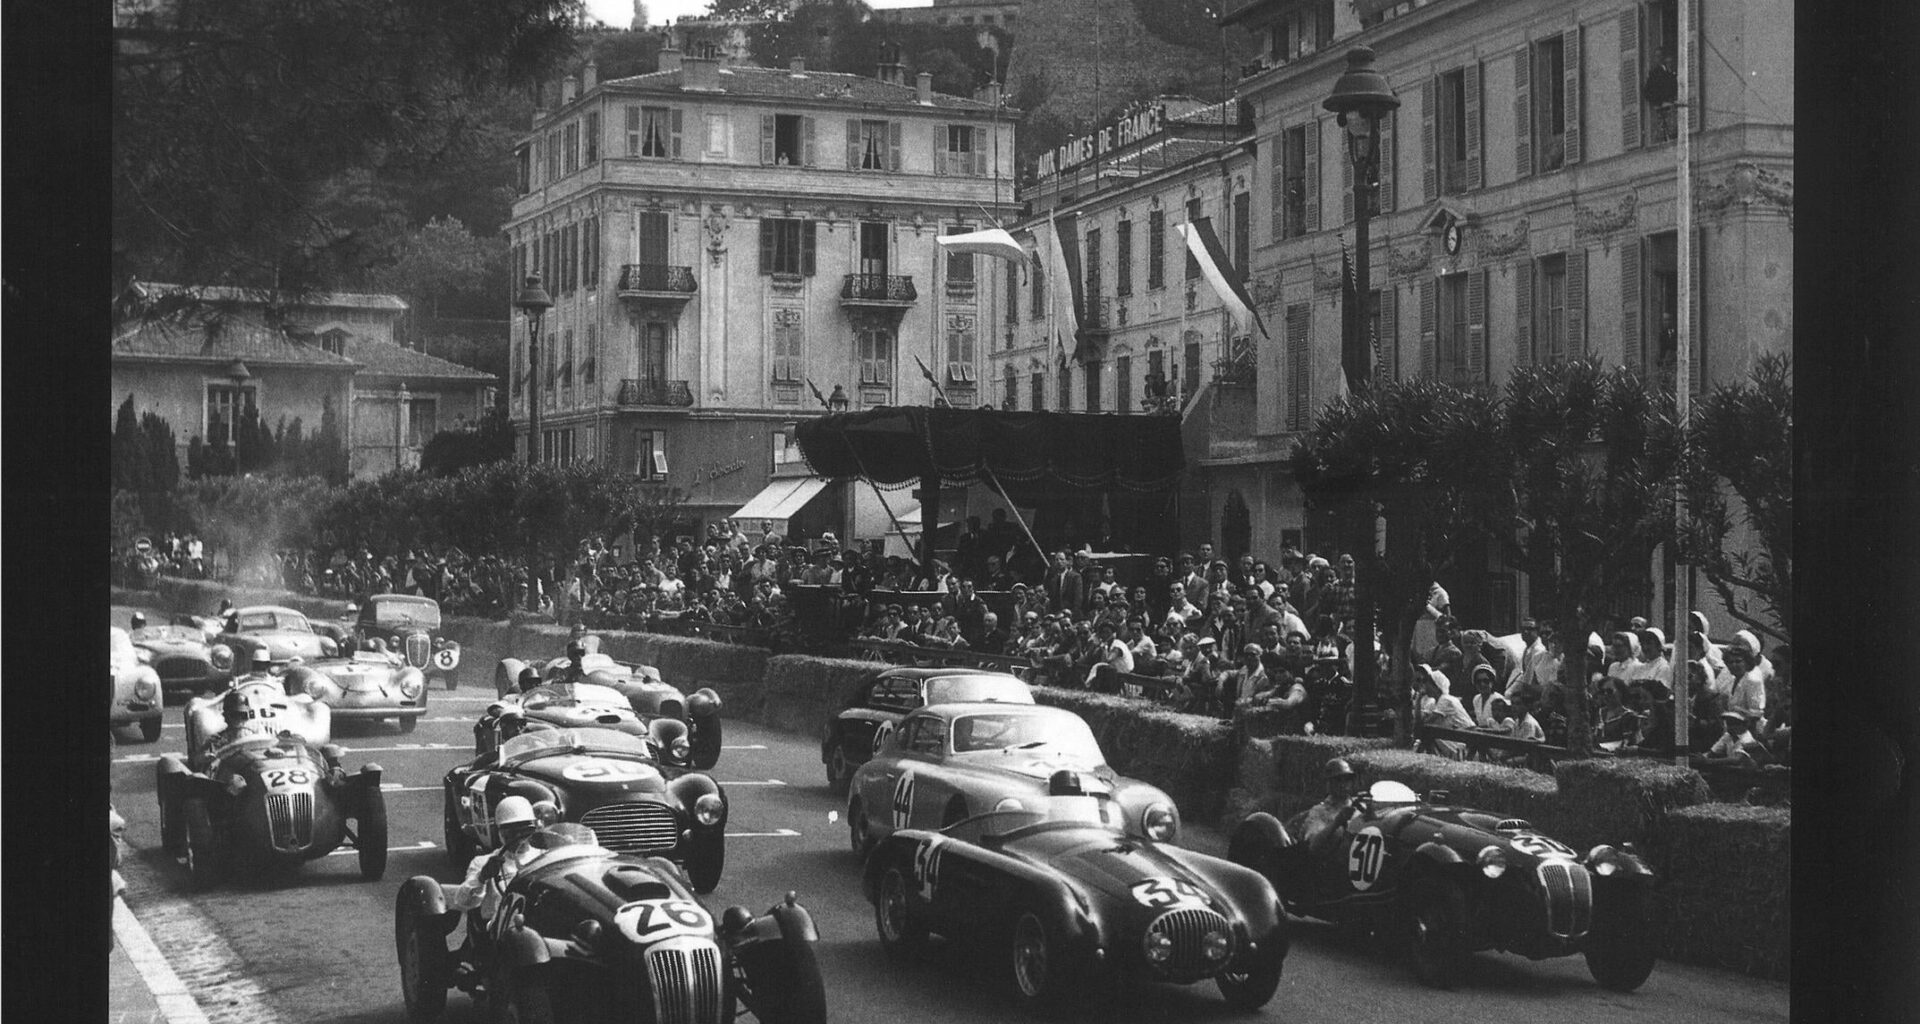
[653,920]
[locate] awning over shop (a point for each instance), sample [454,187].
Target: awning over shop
[781,499]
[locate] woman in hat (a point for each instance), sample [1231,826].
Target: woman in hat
[1439,707]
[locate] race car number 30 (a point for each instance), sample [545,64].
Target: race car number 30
[1365,857]
[652,920]
[1160,893]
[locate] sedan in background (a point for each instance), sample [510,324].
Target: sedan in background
[846,741]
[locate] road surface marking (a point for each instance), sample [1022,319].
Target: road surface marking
[395,787]
[348,851]
[177,1005]
[776,832]
[743,746]
[752,782]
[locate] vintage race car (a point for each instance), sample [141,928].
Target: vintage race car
[267,709]
[1455,880]
[262,796]
[846,741]
[697,714]
[578,705]
[284,632]
[364,686]
[410,627]
[183,659]
[1067,901]
[606,780]
[134,688]
[948,762]
[583,933]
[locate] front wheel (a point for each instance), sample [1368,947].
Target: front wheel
[1033,963]
[901,937]
[150,730]
[425,963]
[706,859]
[1437,940]
[839,772]
[371,839]
[520,997]
[793,992]
[206,856]
[1252,988]
[859,833]
[460,849]
[706,743]
[407,725]
[1620,952]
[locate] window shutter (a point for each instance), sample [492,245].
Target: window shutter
[808,239]
[1630,78]
[676,133]
[1299,326]
[1428,316]
[1277,183]
[853,144]
[1523,314]
[633,131]
[1388,365]
[1429,146]
[1475,174]
[1570,61]
[980,139]
[766,139]
[1577,305]
[1346,183]
[1313,175]
[1523,111]
[1696,86]
[1477,327]
[1696,304]
[806,142]
[766,247]
[1389,152]
[942,134]
[1632,348]
[893,145]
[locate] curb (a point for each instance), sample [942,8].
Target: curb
[177,1005]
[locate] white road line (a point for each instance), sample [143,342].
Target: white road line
[751,782]
[743,746]
[395,787]
[177,1005]
[348,851]
[776,832]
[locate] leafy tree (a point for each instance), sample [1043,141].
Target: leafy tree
[1742,442]
[769,10]
[1427,457]
[440,259]
[450,451]
[625,54]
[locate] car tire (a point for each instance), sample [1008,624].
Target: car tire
[425,962]
[520,997]
[859,832]
[1256,842]
[173,835]
[794,993]
[204,850]
[1249,990]
[460,849]
[150,729]
[901,937]
[705,746]
[706,860]
[1620,949]
[1033,963]
[371,836]
[1436,932]
[839,772]
[407,725]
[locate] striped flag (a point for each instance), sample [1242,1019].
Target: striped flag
[1218,269]
[987,242]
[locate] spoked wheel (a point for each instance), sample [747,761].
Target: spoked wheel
[371,839]
[901,937]
[1034,967]
[206,856]
[424,961]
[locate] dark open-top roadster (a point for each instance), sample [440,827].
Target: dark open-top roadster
[1453,880]
[691,718]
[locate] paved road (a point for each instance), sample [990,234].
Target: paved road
[319,947]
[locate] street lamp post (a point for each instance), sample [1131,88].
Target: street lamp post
[534,302]
[1361,99]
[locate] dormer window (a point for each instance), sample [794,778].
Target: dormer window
[334,342]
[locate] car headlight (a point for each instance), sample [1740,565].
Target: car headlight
[411,684]
[329,649]
[144,689]
[1159,947]
[708,809]
[221,658]
[1160,823]
[1603,860]
[1216,945]
[681,748]
[1492,861]
[1010,804]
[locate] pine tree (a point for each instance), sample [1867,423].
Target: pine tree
[163,459]
[129,457]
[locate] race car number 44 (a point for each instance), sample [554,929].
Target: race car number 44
[653,920]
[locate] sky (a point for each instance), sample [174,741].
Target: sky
[619,13]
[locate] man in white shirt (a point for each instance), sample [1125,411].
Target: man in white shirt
[488,877]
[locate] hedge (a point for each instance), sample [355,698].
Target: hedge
[1189,756]
[1723,875]
[1619,800]
[1515,792]
[1282,775]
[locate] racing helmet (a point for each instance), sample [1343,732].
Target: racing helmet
[513,811]
[139,621]
[1065,782]
[262,659]
[529,678]
[576,651]
[1336,769]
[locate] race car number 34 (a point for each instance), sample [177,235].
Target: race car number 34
[653,920]
[1167,892]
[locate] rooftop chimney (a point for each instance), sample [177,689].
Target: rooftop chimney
[798,65]
[569,88]
[699,74]
[923,84]
[669,59]
[589,76]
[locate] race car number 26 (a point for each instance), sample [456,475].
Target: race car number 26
[653,920]
[1365,857]
[285,778]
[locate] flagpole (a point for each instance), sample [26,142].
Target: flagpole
[1682,370]
[857,461]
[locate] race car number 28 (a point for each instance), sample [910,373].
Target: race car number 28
[286,778]
[653,920]
[1365,857]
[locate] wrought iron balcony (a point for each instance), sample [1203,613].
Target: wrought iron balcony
[1099,314]
[657,282]
[893,290]
[648,391]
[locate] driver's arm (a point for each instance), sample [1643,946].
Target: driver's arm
[466,895]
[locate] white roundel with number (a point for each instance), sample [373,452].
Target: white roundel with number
[926,864]
[903,801]
[649,921]
[1366,855]
[280,780]
[445,659]
[1540,846]
[1162,893]
[594,769]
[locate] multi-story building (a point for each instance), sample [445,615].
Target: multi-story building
[1526,211]
[721,239]
[979,15]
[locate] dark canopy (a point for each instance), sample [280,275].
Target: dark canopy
[1032,454]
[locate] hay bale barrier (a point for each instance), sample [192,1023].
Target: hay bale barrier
[1624,800]
[1723,893]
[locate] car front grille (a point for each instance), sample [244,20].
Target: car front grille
[1569,891]
[1187,927]
[685,978]
[290,815]
[634,827]
[419,649]
[180,667]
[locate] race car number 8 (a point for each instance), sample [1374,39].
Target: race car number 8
[281,778]
[653,920]
[1365,858]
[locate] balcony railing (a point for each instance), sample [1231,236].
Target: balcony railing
[1099,314]
[657,280]
[879,289]
[648,391]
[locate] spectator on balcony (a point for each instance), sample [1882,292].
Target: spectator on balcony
[969,551]
[997,577]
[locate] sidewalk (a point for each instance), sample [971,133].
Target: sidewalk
[141,987]
[129,1000]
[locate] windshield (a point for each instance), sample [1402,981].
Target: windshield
[955,689]
[422,613]
[169,634]
[285,621]
[597,740]
[578,693]
[122,648]
[1063,811]
[1062,733]
[1388,791]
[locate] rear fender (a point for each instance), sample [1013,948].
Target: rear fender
[703,703]
[1437,855]
[522,947]
[663,731]
[424,895]
[786,921]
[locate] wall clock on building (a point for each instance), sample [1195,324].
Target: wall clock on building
[1450,240]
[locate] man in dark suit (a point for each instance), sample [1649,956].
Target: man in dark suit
[1063,585]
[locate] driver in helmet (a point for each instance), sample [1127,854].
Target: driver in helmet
[137,623]
[487,877]
[1323,819]
[574,671]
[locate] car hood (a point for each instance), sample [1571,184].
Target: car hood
[176,641]
[1105,861]
[282,645]
[1468,831]
[1040,763]
[351,675]
[589,771]
[569,715]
